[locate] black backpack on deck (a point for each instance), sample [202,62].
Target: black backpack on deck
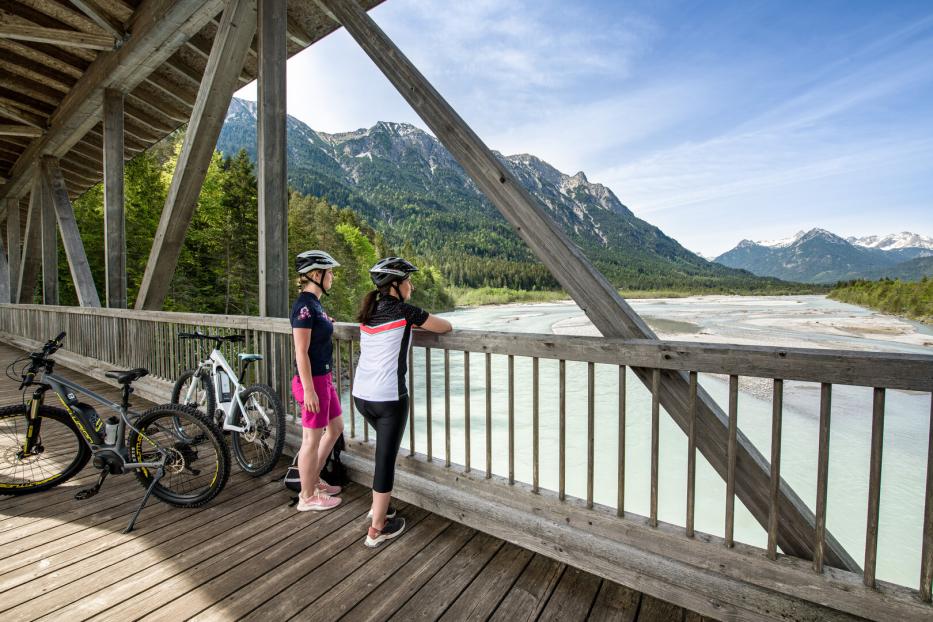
[334,471]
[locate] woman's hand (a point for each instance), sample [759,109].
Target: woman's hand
[311,401]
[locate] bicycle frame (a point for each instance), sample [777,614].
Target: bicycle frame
[66,391]
[214,364]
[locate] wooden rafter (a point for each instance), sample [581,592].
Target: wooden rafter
[100,18]
[20,130]
[56,36]
[158,28]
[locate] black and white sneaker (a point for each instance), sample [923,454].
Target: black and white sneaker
[392,528]
[389,514]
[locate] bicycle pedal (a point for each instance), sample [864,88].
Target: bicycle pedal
[87,493]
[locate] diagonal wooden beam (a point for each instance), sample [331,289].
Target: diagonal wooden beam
[30,259]
[100,18]
[71,237]
[56,36]
[13,245]
[231,43]
[589,288]
[159,28]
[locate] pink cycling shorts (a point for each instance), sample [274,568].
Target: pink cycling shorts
[327,398]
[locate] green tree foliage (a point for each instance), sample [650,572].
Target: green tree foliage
[910,299]
[218,265]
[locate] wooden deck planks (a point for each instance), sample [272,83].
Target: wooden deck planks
[572,598]
[615,603]
[531,591]
[249,555]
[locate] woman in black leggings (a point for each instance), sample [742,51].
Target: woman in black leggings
[379,388]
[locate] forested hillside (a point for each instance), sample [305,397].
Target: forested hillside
[218,267]
[405,184]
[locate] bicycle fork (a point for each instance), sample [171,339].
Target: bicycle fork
[155,480]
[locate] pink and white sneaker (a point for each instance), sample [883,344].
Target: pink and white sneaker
[323,488]
[317,503]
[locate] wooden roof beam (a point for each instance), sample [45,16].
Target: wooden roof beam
[20,130]
[16,114]
[57,36]
[41,57]
[159,28]
[101,19]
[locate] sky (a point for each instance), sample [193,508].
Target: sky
[715,121]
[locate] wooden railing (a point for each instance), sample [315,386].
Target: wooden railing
[715,575]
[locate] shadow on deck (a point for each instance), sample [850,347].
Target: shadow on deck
[249,555]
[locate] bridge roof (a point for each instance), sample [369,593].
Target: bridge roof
[58,56]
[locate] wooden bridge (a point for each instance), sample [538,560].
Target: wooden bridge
[87,84]
[719,577]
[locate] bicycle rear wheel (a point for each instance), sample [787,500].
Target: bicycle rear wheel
[60,453]
[260,447]
[196,459]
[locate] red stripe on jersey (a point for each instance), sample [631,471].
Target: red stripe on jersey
[372,330]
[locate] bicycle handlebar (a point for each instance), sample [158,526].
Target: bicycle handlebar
[40,359]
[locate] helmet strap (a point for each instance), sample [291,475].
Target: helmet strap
[320,284]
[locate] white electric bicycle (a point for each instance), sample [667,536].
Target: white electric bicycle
[252,414]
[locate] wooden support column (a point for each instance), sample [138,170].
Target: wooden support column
[589,288]
[71,237]
[231,43]
[13,249]
[4,275]
[114,208]
[29,262]
[273,176]
[49,238]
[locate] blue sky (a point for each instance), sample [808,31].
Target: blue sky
[715,121]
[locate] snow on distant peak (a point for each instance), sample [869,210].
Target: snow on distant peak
[782,243]
[894,241]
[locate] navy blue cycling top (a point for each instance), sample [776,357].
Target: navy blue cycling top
[307,312]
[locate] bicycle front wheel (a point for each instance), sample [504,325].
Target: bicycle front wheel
[260,446]
[195,459]
[59,454]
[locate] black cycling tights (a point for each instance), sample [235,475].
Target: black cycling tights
[388,419]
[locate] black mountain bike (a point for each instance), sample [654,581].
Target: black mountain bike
[178,454]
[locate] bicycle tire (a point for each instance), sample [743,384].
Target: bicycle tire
[208,404]
[198,448]
[47,469]
[258,450]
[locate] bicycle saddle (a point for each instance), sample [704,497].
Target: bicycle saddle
[128,376]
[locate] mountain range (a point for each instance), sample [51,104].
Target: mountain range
[410,189]
[819,256]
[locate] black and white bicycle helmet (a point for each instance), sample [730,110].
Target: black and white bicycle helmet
[314,260]
[391,270]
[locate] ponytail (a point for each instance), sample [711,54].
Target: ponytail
[367,307]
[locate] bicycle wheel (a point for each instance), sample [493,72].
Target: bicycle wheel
[260,447]
[203,396]
[192,449]
[59,455]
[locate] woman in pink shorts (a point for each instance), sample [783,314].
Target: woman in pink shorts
[312,386]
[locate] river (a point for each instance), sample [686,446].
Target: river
[793,321]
